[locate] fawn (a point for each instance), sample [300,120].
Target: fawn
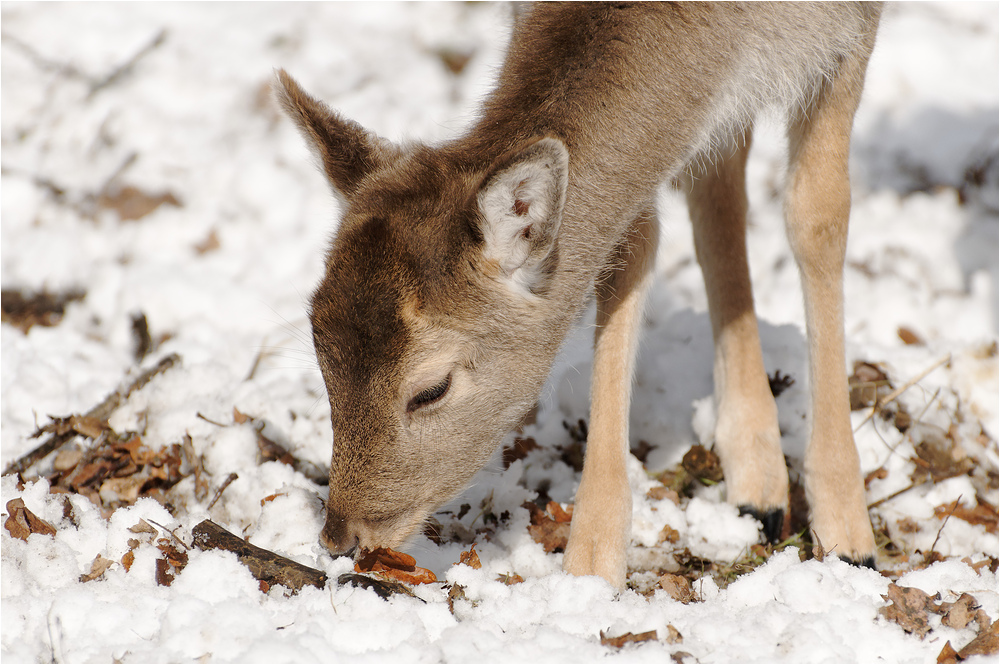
[457,270]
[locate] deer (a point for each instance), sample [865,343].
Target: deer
[457,270]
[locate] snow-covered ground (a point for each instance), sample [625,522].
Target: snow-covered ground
[223,267]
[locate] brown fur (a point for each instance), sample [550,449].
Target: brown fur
[457,271]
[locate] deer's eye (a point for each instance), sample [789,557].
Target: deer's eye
[429,396]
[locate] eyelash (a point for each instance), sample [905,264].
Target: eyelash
[429,396]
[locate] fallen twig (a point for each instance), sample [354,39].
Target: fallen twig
[880,404]
[124,68]
[222,488]
[954,507]
[101,412]
[264,565]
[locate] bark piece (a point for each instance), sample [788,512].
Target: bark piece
[264,565]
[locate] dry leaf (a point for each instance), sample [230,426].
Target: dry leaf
[519,450]
[985,643]
[97,568]
[668,534]
[677,587]
[909,337]
[391,563]
[209,244]
[959,614]
[163,575]
[673,635]
[510,579]
[132,203]
[548,533]
[470,558]
[128,559]
[23,310]
[272,497]
[558,513]
[660,493]
[948,654]
[21,522]
[983,514]
[622,640]
[909,607]
[142,526]
[703,464]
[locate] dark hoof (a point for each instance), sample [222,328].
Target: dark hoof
[771,521]
[866,562]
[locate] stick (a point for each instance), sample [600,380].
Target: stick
[903,388]
[102,412]
[218,493]
[264,565]
[127,66]
[954,507]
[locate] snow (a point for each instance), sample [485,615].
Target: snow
[191,117]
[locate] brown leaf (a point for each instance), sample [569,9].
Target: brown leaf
[209,244]
[622,640]
[510,579]
[909,607]
[558,514]
[668,534]
[23,310]
[703,464]
[471,558]
[661,493]
[551,535]
[641,451]
[239,418]
[673,635]
[948,654]
[163,575]
[387,557]
[982,514]
[97,568]
[66,460]
[132,203]
[867,384]
[128,559]
[677,587]
[519,450]
[21,522]
[272,497]
[121,490]
[985,643]
[909,337]
[456,592]
[398,565]
[880,473]
[959,614]
[142,526]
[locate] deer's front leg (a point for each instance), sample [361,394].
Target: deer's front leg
[602,517]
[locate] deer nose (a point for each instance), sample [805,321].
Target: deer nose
[337,536]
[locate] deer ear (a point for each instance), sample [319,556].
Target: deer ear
[521,207]
[345,149]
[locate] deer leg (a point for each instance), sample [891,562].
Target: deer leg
[747,438]
[817,205]
[602,516]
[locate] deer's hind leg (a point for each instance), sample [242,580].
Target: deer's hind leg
[747,438]
[602,516]
[817,206]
